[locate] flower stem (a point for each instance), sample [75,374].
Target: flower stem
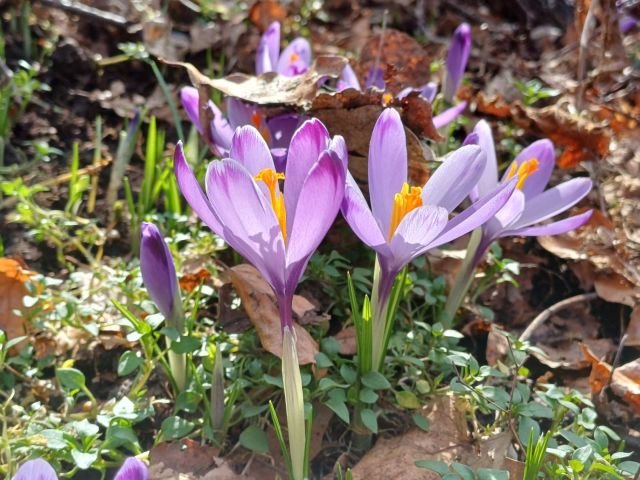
[294,402]
[463,278]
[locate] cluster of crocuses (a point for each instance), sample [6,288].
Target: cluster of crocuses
[274,203]
[39,469]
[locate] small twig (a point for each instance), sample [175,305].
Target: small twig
[587,28]
[545,314]
[616,360]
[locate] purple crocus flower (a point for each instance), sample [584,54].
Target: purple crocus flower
[457,60]
[39,469]
[530,204]
[403,221]
[276,231]
[628,22]
[277,131]
[523,213]
[159,277]
[349,79]
[294,59]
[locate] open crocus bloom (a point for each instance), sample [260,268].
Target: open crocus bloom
[403,221]
[277,131]
[294,59]
[276,231]
[530,204]
[39,469]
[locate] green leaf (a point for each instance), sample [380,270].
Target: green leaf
[83,460]
[54,439]
[83,428]
[323,361]
[188,401]
[339,407]
[576,465]
[248,411]
[368,396]
[407,400]
[629,467]
[176,427]
[463,470]
[254,438]
[375,381]
[70,378]
[349,374]
[439,467]
[492,474]
[421,422]
[185,344]
[369,419]
[129,362]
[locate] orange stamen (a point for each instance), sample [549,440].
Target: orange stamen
[294,57]
[408,199]
[387,98]
[258,121]
[270,177]
[523,172]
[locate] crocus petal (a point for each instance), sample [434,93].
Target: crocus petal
[543,152]
[429,91]
[268,49]
[449,115]
[554,228]
[190,100]
[488,180]
[221,131]
[387,165]
[505,217]
[249,223]
[454,179]
[475,215]
[304,150]
[132,469]
[249,148]
[375,78]
[295,59]
[37,469]
[239,113]
[282,128]
[192,192]
[628,23]
[339,146]
[158,270]
[348,79]
[457,60]
[554,201]
[415,233]
[359,217]
[318,205]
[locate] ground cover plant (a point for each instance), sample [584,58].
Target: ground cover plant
[315,240]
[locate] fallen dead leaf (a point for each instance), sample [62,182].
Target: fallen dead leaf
[623,385]
[347,340]
[190,281]
[447,440]
[633,329]
[259,302]
[186,457]
[270,88]
[616,289]
[264,12]
[13,275]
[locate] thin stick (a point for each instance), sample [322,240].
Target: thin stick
[545,314]
[87,11]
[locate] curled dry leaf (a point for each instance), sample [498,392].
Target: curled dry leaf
[270,88]
[624,382]
[346,338]
[260,304]
[188,460]
[616,289]
[633,329]
[13,275]
[264,12]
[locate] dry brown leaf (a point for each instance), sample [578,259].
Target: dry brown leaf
[633,329]
[13,274]
[626,388]
[190,281]
[186,457]
[347,340]
[270,88]
[447,440]
[616,289]
[259,301]
[264,12]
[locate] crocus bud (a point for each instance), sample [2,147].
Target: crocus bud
[36,469]
[457,60]
[159,276]
[132,469]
